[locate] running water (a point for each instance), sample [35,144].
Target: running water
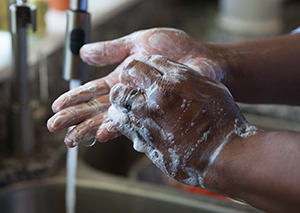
[72,155]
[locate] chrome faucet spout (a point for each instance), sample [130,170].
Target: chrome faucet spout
[78,31]
[22,15]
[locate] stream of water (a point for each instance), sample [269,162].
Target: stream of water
[72,155]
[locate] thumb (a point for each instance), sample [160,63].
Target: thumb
[106,52]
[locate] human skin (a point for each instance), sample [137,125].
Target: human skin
[257,71]
[179,118]
[261,170]
[247,68]
[71,108]
[234,158]
[264,70]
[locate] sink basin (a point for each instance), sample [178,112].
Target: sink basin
[115,156]
[102,196]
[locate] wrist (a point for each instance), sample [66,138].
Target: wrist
[227,175]
[216,177]
[229,63]
[263,70]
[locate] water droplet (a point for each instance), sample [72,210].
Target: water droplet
[89,142]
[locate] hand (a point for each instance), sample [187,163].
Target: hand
[87,105]
[170,43]
[178,117]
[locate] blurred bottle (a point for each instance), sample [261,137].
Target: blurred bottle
[59,4]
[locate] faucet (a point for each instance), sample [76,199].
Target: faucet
[22,138]
[78,30]
[23,15]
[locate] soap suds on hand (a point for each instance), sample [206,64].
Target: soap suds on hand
[168,147]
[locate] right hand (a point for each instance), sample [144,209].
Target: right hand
[179,118]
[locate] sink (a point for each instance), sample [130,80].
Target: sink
[115,156]
[104,196]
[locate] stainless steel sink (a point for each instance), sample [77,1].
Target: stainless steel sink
[102,196]
[115,156]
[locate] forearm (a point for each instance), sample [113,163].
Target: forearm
[262,170]
[264,70]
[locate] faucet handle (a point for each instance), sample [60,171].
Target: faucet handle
[22,15]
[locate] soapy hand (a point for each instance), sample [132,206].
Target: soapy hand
[179,118]
[86,106]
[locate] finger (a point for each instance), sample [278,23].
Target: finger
[108,52]
[106,132]
[77,114]
[82,94]
[85,131]
[126,100]
[139,74]
[91,89]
